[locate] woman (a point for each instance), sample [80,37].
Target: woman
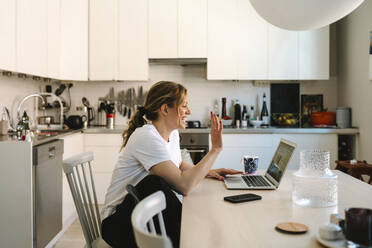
[154,149]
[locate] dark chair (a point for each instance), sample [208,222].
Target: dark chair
[358,170]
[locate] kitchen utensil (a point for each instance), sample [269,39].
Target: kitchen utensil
[45,120]
[323,118]
[343,117]
[85,102]
[75,121]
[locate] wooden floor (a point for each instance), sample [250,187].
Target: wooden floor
[72,238]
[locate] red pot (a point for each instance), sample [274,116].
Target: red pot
[323,118]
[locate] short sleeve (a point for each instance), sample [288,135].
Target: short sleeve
[149,149]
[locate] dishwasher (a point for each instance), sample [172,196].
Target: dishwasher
[47,192]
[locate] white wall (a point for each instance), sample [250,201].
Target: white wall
[354,86]
[202,94]
[12,91]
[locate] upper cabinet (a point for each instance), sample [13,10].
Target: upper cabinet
[222,50]
[243,46]
[118,43]
[31,37]
[192,28]
[74,40]
[133,37]
[113,40]
[314,54]
[283,54]
[103,40]
[177,28]
[8,35]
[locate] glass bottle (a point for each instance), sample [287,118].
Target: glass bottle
[251,113]
[223,112]
[265,113]
[244,112]
[238,112]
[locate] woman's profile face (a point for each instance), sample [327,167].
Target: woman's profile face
[179,116]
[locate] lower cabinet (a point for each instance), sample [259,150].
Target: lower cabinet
[264,146]
[73,145]
[106,148]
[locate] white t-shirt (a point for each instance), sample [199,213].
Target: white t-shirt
[145,148]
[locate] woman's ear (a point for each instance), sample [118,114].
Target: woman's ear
[164,109]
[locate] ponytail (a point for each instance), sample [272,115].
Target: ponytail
[137,120]
[163,92]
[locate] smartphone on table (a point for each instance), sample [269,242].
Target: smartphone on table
[242,198]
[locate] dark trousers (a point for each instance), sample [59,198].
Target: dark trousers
[117,229]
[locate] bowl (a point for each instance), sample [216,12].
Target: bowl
[255,123]
[227,123]
[285,119]
[323,118]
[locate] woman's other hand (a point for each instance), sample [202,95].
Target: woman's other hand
[216,133]
[220,173]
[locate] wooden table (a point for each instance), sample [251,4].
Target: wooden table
[209,221]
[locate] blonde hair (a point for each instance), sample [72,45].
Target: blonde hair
[163,92]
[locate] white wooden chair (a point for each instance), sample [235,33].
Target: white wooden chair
[142,217]
[84,194]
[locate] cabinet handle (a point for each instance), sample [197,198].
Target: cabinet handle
[52,152]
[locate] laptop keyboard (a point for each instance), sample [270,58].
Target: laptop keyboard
[257,181]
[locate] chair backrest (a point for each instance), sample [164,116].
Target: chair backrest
[142,217]
[84,194]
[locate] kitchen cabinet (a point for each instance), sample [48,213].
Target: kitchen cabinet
[16,193]
[118,40]
[73,145]
[54,45]
[8,35]
[31,37]
[163,29]
[235,146]
[192,28]
[177,29]
[103,40]
[264,146]
[243,46]
[74,40]
[105,148]
[51,39]
[283,54]
[133,40]
[314,54]
[222,34]
[252,58]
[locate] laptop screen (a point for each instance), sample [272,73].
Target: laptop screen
[280,160]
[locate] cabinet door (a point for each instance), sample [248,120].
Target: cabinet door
[252,43]
[53,33]
[74,40]
[192,28]
[314,54]
[283,53]
[163,24]
[103,43]
[238,145]
[328,142]
[72,145]
[133,46]
[32,37]
[8,35]
[222,62]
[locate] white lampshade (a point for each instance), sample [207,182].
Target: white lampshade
[303,14]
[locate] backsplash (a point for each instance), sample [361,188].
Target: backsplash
[202,94]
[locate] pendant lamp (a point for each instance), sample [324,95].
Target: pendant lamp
[303,14]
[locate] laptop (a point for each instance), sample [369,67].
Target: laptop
[273,175]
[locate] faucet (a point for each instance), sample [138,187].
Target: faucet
[42,99]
